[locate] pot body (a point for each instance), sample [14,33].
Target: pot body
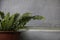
[9,35]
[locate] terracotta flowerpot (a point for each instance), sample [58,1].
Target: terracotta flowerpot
[9,35]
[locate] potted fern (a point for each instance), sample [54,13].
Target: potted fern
[9,24]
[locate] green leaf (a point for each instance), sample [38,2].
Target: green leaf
[15,22]
[4,22]
[24,19]
[26,14]
[11,20]
[37,17]
[2,14]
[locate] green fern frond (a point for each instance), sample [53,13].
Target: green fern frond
[5,21]
[37,17]
[15,21]
[2,14]
[26,14]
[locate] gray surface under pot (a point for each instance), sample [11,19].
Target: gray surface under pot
[40,35]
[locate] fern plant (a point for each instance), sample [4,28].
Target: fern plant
[16,21]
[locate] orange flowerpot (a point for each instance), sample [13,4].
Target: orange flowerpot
[9,35]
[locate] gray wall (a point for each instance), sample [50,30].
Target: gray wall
[0,4]
[50,9]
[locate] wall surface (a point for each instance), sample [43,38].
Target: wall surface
[0,4]
[50,9]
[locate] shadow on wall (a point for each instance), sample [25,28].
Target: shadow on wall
[40,35]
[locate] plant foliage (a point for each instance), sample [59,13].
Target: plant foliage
[16,21]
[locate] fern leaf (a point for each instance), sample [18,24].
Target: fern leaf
[37,17]
[2,14]
[12,21]
[4,22]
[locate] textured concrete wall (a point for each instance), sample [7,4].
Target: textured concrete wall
[0,4]
[50,9]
